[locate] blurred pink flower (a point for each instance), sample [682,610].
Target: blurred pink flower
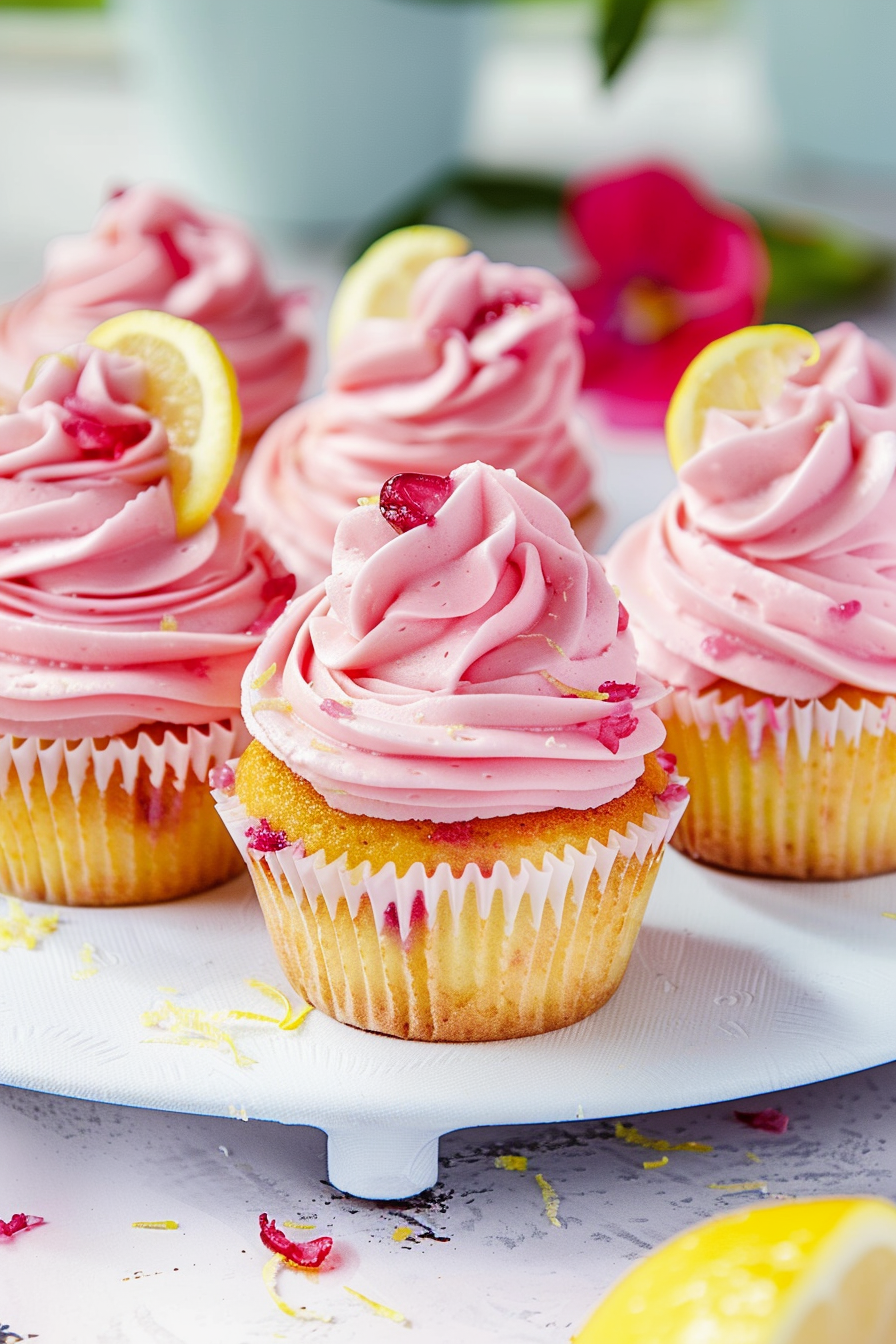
[675,269]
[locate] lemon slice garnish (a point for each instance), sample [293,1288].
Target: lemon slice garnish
[743,371]
[808,1272]
[380,282]
[192,390]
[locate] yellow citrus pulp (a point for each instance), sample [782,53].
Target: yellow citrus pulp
[743,371]
[380,282]
[809,1272]
[191,388]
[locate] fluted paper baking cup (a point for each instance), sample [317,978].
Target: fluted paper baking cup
[473,957]
[114,821]
[787,789]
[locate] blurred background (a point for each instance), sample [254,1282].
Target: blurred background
[323,122]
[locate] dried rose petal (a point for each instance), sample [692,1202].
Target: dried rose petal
[97,440]
[412,498]
[20,1222]
[622,621]
[305,1254]
[336,710]
[281,585]
[451,833]
[770,1120]
[721,646]
[668,760]
[222,777]
[618,690]
[611,730]
[264,838]
[673,793]
[845,611]
[180,265]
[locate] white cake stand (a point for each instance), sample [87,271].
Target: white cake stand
[736,986]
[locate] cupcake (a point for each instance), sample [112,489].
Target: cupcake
[122,645]
[763,593]
[487,364]
[147,249]
[453,810]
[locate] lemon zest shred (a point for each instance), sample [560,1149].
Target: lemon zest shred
[402,1233]
[292,1017]
[165,1225]
[551,1200]
[629,1134]
[889,914]
[652,1166]
[278,703]
[573,690]
[19,929]
[88,966]
[238,1114]
[302,1227]
[751,1157]
[269,1278]
[264,677]
[168,623]
[364,500]
[389,1312]
[512,1162]
[322,746]
[736,1187]
[192,1026]
[538,634]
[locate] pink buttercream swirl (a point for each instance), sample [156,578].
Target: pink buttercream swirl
[454,652]
[147,249]
[774,563]
[107,618]
[487,365]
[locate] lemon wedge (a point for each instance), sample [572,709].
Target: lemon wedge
[809,1272]
[740,372]
[192,390]
[380,282]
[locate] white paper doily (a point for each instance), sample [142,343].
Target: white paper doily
[736,986]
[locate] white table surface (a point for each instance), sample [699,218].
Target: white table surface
[486,1264]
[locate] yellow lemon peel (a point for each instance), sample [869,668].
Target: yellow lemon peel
[378,1308]
[88,966]
[551,1200]
[291,1018]
[573,690]
[264,677]
[166,1225]
[629,1134]
[19,929]
[512,1162]
[652,1166]
[402,1233]
[269,1278]
[278,703]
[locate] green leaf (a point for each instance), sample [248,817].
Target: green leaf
[815,265]
[620,26]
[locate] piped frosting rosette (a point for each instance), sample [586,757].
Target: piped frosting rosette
[773,567]
[473,668]
[122,646]
[487,365]
[147,249]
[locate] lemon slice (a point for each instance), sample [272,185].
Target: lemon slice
[740,372]
[380,282]
[808,1272]
[192,390]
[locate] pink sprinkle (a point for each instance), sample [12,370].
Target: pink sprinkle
[20,1222]
[263,838]
[618,690]
[668,760]
[452,833]
[622,620]
[180,265]
[844,611]
[673,793]
[413,498]
[721,646]
[772,1121]
[222,777]
[97,440]
[336,710]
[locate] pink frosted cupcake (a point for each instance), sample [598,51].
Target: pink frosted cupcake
[453,811]
[147,249]
[487,365]
[121,647]
[763,592]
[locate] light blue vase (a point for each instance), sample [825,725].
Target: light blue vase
[312,114]
[831,68]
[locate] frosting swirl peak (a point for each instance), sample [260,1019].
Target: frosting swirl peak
[474,667]
[774,563]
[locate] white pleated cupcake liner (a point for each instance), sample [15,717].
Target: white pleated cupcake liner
[708,710]
[558,878]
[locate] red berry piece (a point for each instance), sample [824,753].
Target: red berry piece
[618,690]
[265,839]
[622,622]
[845,611]
[412,498]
